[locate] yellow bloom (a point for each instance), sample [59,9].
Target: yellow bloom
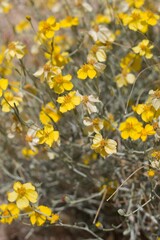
[69,22]
[87,70]
[135,21]
[3,85]
[146,111]
[131,62]
[8,212]
[49,113]
[156,155]
[99,225]
[27,152]
[147,131]
[58,57]
[15,49]
[23,194]
[10,101]
[60,83]
[53,218]
[103,146]
[40,215]
[5,6]
[151,18]
[22,26]
[151,173]
[47,135]
[47,28]
[69,101]
[135,3]
[144,49]
[131,128]
[100,18]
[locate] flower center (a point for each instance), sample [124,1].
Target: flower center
[11,46]
[58,79]
[157,93]
[85,99]
[102,143]
[47,68]
[21,191]
[143,47]
[67,99]
[136,16]
[46,27]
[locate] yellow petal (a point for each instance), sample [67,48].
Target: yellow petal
[22,203]
[12,196]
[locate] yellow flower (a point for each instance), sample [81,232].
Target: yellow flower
[144,49]
[53,218]
[131,62]
[151,18]
[58,57]
[135,21]
[69,101]
[87,70]
[146,111]
[23,194]
[131,128]
[10,101]
[156,155]
[47,135]
[49,113]
[60,83]
[103,146]
[151,173]
[40,215]
[135,3]
[27,152]
[3,85]
[15,49]
[8,212]
[5,6]
[100,18]
[69,22]
[22,26]
[147,131]
[47,28]
[99,225]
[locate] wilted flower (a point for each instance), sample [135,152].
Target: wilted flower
[154,98]
[103,146]
[88,102]
[15,49]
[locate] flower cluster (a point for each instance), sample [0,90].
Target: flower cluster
[23,201]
